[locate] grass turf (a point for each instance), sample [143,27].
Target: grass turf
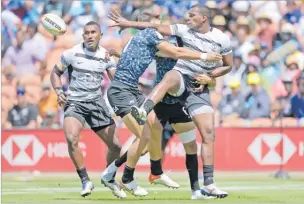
[64,188]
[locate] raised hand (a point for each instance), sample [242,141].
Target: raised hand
[118,19]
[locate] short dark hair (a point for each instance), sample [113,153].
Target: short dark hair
[144,17]
[92,23]
[204,11]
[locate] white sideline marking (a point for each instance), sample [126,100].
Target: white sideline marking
[227,188]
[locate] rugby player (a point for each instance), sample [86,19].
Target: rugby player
[85,63]
[200,36]
[172,112]
[123,93]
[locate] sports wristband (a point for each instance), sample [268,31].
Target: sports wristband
[203,56]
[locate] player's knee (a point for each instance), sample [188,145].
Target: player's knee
[114,147]
[170,78]
[72,140]
[191,147]
[208,134]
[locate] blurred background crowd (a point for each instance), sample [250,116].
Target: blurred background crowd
[265,87]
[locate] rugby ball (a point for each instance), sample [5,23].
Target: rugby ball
[53,24]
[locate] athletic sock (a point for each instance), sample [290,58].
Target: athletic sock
[192,167]
[113,179]
[148,105]
[208,174]
[121,160]
[156,168]
[128,174]
[83,174]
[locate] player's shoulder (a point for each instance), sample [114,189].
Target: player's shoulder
[101,50]
[74,49]
[149,31]
[219,35]
[217,32]
[152,32]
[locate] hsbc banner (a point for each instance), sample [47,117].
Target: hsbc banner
[236,149]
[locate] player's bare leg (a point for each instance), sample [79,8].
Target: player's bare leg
[109,137]
[205,124]
[187,135]
[128,182]
[171,83]
[72,128]
[154,146]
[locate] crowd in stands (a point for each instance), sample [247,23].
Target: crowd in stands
[265,87]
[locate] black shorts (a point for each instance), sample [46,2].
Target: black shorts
[172,113]
[122,97]
[95,113]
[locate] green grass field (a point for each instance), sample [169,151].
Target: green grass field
[64,188]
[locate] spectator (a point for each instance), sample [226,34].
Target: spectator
[10,78]
[238,70]
[79,14]
[297,101]
[48,101]
[22,56]
[23,114]
[257,102]
[219,22]
[254,52]
[273,8]
[178,8]
[50,120]
[245,44]
[213,8]
[265,31]
[286,33]
[231,104]
[285,100]
[10,25]
[240,8]
[26,11]
[57,7]
[37,40]
[294,13]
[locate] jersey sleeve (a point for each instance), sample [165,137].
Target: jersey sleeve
[65,59]
[154,37]
[179,29]
[226,46]
[111,64]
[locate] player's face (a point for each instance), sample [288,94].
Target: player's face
[195,20]
[91,36]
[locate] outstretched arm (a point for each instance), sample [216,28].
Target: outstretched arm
[169,50]
[124,23]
